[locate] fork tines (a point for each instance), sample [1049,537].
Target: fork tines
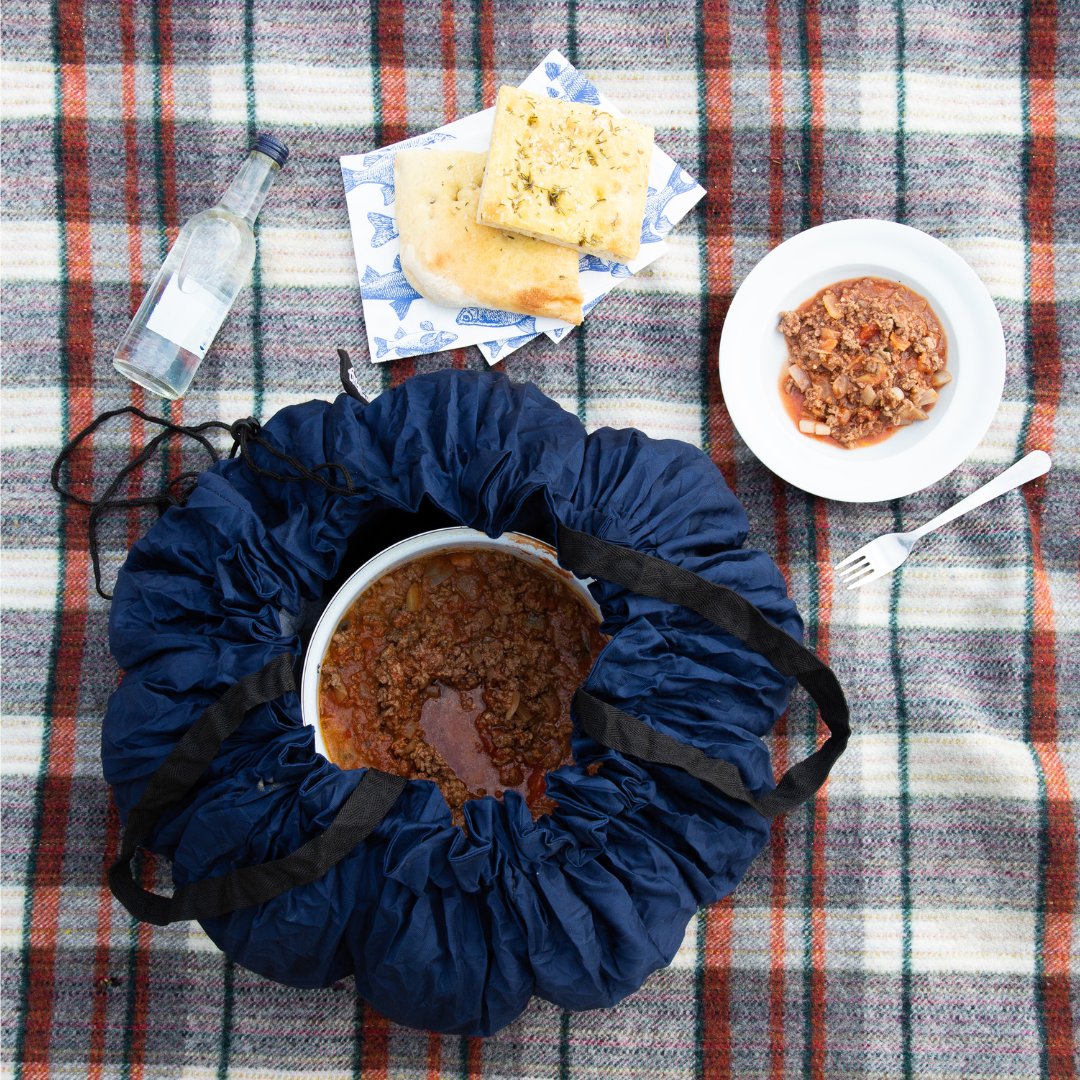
[854,571]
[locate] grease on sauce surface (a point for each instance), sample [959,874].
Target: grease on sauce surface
[459,667]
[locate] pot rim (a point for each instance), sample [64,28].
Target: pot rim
[528,548]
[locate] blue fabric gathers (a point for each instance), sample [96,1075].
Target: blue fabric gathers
[447,929]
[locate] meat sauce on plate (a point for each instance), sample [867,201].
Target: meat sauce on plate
[866,357]
[459,667]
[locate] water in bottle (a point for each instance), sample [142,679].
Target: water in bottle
[193,291]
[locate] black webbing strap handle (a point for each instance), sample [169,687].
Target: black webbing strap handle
[588,556]
[378,791]
[248,885]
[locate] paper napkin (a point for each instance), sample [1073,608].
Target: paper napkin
[400,322]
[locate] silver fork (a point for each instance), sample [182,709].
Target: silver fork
[886,553]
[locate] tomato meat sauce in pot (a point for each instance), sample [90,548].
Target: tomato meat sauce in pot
[459,667]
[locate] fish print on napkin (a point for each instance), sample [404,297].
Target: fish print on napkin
[400,322]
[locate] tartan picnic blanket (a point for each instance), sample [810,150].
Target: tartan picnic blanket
[918,917]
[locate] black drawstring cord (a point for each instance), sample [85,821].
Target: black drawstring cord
[247,432]
[107,500]
[141,458]
[246,435]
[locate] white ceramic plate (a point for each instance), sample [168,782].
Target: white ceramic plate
[524,547]
[753,353]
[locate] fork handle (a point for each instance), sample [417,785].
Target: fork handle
[1027,468]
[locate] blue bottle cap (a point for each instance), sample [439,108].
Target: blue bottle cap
[273,148]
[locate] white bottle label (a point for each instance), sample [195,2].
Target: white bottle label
[188,317]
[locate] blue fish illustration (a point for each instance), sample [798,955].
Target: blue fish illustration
[603,266]
[378,166]
[656,226]
[428,339]
[496,347]
[385,229]
[392,287]
[381,172]
[478,316]
[575,86]
[429,138]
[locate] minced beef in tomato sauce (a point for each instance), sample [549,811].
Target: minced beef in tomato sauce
[865,357]
[459,667]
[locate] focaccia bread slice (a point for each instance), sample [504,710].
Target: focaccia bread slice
[449,258]
[569,173]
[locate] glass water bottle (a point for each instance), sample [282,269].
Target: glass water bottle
[193,291]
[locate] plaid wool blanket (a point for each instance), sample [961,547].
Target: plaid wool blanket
[918,918]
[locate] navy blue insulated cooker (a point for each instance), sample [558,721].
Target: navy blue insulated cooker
[307,873]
